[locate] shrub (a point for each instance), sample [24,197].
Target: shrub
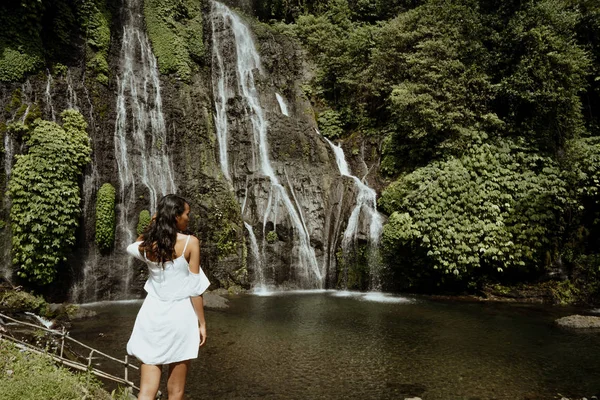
[19,301]
[497,206]
[272,237]
[46,196]
[143,221]
[105,217]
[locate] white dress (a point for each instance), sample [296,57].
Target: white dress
[166,327]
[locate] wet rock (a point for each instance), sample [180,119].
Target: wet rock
[213,300]
[69,312]
[579,322]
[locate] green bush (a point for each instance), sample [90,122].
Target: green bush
[143,221]
[15,63]
[46,196]
[19,301]
[105,217]
[272,237]
[497,206]
[330,125]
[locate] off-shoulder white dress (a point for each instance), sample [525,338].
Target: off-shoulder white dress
[166,327]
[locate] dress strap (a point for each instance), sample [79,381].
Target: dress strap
[186,243]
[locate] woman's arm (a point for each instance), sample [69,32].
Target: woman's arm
[197,301]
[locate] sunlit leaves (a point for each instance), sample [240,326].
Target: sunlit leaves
[45,196]
[495,206]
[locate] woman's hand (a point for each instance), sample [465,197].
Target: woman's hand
[202,331]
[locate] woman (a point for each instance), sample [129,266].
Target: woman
[170,325]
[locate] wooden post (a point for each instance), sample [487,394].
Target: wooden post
[90,359]
[62,341]
[126,366]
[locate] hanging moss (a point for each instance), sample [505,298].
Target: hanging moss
[105,217]
[143,221]
[46,196]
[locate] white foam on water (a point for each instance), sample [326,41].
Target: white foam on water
[46,322]
[106,303]
[379,297]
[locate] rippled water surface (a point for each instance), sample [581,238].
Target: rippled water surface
[342,345]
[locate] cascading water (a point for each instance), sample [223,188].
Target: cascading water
[71,94]
[366,203]
[87,288]
[140,133]
[48,95]
[257,259]
[239,81]
[282,105]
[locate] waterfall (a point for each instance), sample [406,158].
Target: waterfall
[140,134]
[86,289]
[366,202]
[71,94]
[247,62]
[221,95]
[48,95]
[260,284]
[282,105]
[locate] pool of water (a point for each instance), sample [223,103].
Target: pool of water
[342,345]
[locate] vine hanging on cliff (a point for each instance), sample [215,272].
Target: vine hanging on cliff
[46,196]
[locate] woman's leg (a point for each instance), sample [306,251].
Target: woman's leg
[149,381]
[176,382]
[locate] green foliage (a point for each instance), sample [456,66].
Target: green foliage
[329,124]
[15,63]
[223,230]
[21,50]
[175,30]
[353,268]
[584,164]
[547,70]
[105,217]
[96,25]
[20,301]
[35,376]
[497,206]
[143,221]
[45,196]
[272,237]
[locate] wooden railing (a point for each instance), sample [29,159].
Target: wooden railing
[59,356]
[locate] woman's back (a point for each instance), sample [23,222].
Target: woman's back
[172,280]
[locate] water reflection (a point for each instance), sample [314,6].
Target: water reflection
[333,345]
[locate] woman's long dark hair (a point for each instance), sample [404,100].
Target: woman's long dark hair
[160,236]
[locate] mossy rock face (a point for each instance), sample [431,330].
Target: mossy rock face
[175,30]
[18,301]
